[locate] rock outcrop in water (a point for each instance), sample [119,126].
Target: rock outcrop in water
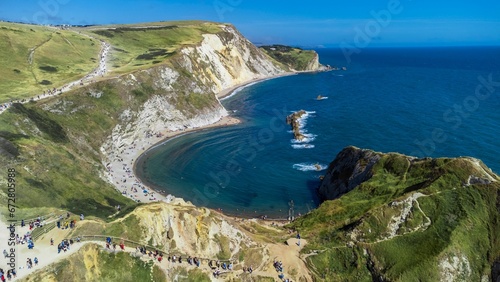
[294,121]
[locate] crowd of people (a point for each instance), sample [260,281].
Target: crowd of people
[29,262]
[125,179]
[11,273]
[217,267]
[25,239]
[278,265]
[65,223]
[64,246]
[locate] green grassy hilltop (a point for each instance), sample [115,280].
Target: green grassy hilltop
[141,46]
[290,57]
[55,143]
[413,220]
[36,58]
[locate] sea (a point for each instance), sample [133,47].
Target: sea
[423,102]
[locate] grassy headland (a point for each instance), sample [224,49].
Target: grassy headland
[359,236]
[290,57]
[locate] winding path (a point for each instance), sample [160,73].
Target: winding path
[99,71]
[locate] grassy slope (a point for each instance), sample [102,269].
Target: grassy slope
[55,174]
[138,47]
[71,54]
[59,153]
[290,57]
[464,221]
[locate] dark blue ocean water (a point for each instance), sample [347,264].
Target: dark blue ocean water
[433,102]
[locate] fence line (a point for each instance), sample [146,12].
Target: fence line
[137,244]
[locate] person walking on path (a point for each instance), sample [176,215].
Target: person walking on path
[298,239]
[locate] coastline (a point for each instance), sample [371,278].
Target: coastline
[126,165]
[228,92]
[121,166]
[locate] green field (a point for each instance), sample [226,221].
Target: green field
[142,46]
[36,58]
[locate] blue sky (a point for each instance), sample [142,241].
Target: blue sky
[358,23]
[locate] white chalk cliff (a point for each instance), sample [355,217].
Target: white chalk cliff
[219,62]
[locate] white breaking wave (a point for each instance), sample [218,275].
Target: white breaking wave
[302,146]
[309,167]
[307,139]
[303,119]
[322,98]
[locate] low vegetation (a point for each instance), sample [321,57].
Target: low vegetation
[32,59]
[58,153]
[54,144]
[141,46]
[290,57]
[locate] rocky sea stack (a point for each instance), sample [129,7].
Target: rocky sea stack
[294,121]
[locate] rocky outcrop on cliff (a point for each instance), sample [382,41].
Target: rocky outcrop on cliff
[353,166]
[405,218]
[350,168]
[225,59]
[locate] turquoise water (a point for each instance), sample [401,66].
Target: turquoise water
[420,102]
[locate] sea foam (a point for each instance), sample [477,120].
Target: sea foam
[302,146]
[309,167]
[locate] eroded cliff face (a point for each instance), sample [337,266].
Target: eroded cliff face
[185,229]
[350,168]
[314,64]
[225,59]
[185,92]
